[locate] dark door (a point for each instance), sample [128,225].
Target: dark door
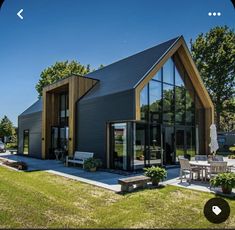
[185,142]
[168,145]
[153,147]
[118,146]
[59,139]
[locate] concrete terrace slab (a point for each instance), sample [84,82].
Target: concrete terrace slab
[102,179]
[195,185]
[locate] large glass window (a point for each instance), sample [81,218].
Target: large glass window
[168,103]
[169,99]
[190,141]
[139,157]
[179,105]
[168,72]
[158,75]
[144,103]
[178,78]
[155,101]
[64,109]
[154,141]
[189,101]
[26,142]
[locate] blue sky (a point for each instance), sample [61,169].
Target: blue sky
[91,31]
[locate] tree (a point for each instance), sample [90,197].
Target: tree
[59,71]
[6,127]
[214,55]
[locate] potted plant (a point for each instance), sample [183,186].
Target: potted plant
[91,164]
[141,157]
[156,174]
[225,180]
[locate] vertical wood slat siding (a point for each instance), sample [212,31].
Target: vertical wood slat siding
[77,87]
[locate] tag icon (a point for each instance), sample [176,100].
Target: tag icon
[216,210]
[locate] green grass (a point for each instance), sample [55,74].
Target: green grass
[40,199]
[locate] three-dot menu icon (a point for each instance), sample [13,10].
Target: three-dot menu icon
[214,14]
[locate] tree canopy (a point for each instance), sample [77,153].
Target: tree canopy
[6,127]
[214,55]
[59,71]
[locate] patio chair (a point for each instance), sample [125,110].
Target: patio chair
[186,168]
[215,168]
[181,157]
[218,158]
[200,158]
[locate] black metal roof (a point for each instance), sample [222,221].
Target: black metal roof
[128,72]
[34,108]
[121,75]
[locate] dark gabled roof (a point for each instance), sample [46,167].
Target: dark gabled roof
[128,72]
[121,75]
[34,108]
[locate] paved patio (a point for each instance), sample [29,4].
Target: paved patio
[102,179]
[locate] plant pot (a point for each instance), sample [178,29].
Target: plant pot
[92,169]
[142,158]
[226,189]
[155,182]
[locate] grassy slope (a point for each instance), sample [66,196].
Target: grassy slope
[39,199]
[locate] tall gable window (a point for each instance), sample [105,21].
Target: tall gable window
[169,97]
[169,100]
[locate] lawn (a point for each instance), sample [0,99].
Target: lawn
[39,199]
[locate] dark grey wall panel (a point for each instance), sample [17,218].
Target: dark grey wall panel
[92,116]
[32,122]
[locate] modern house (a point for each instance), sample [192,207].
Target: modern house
[143,110]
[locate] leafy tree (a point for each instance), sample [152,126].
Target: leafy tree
[6,127]
[59,71]
[214,55]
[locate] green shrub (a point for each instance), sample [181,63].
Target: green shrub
[232,149]
[156,174]
[231,156]
[225,180]
[92,163]
[11,145]
[20,165]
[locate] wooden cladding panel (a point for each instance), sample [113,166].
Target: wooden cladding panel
[194,76]
[76,86]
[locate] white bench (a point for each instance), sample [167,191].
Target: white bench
[79,158]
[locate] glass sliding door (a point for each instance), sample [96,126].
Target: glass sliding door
[139,146]
[185,141]
[179,142]
[190,133]
[119,146]
[59,139]
[168,145]
[155,142]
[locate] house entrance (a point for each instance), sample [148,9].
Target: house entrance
[59,141]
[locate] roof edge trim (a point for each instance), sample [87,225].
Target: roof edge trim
[163,55]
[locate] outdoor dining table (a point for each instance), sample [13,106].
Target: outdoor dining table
[203,165]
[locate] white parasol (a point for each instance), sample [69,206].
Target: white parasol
[213,135]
